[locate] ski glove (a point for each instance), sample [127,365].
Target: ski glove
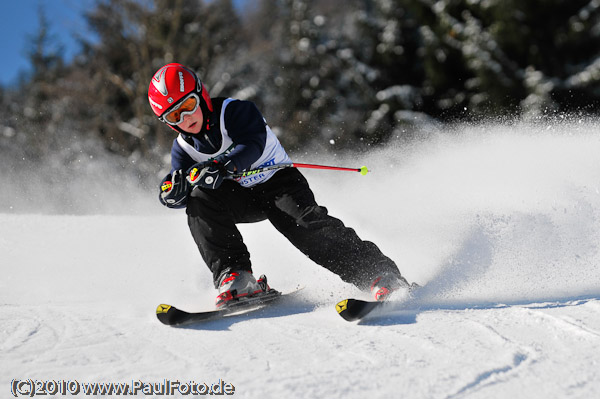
[210,174]
[174,189]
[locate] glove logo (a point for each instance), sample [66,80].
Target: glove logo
[209,180]
[166,186]
[193,175]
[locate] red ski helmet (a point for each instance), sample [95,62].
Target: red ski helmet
[172,83]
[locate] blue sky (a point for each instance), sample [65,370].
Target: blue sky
[20,23]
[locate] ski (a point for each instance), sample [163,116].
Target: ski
[172,316]
[356,309]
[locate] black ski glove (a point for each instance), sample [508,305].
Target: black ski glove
[174,189]
[210,174]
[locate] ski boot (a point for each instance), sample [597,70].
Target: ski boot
[383,286]
[237,285]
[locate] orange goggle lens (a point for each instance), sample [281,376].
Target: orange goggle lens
[187,106]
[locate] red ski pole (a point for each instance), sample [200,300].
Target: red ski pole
[362,170]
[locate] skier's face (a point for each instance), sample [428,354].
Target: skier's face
[192,123]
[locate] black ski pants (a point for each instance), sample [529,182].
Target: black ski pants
[287,201]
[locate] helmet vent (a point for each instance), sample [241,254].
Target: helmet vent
[159,81]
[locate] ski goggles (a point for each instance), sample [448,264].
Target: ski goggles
[187,106]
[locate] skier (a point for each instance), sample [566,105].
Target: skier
[222,136]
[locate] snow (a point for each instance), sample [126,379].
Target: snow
[500,223]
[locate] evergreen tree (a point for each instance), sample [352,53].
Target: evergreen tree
[508,57]
[557,56]
[39,113]
[387,46]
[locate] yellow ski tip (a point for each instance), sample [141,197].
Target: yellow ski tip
[364,170]
[162,308]
[341,306]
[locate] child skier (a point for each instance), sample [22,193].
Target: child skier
[222,136]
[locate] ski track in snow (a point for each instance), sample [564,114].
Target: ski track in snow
[501,224]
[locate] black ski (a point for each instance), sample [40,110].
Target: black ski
[172,316]
[355,309]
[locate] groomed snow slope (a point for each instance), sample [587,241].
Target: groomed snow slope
[501,224]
